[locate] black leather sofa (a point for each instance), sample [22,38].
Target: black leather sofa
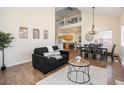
[45,64]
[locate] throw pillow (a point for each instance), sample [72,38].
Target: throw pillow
[48,54]
[57,52]
[50,49]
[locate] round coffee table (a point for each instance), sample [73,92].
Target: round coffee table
[78,72]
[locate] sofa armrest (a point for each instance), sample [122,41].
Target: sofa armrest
[66,53]
[40,62]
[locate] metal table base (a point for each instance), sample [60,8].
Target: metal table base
[76,70]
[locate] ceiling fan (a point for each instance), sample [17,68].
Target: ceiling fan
[69,8]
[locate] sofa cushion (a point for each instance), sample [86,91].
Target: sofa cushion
[44,51]
[57,52]
[55,48]
[64,56]
[56,56]
[41,50]
[48,54]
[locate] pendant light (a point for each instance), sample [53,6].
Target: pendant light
[93,31]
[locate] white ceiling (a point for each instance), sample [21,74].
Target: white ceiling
[104,11]
[64,12]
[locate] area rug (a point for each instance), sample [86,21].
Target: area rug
[118,82]
[98,76]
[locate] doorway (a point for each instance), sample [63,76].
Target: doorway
[68,27]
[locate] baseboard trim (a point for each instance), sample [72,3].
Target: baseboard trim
[19,63]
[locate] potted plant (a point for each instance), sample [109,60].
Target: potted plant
[5,40]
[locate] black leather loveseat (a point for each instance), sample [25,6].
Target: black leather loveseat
[46,64]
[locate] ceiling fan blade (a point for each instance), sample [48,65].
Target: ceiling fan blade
[69,8]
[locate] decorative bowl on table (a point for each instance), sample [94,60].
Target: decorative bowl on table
[78,58]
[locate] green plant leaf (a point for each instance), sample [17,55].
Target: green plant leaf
[5,39]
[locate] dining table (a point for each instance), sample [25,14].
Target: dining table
[94,50]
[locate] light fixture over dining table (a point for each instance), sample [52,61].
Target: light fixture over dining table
[93,30]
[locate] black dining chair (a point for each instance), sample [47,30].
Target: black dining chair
[94,49]
[101,52]
[118,58]
[91,51]
[87,52]
[111,54]
[83,49]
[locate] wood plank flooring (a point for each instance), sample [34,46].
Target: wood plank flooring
[25,74]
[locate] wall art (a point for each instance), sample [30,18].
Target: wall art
[36,34]
[45,34]
[23,33]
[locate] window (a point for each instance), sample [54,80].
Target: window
[122,36]
[105,37]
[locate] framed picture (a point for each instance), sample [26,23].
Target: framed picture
[36,34]
[45,34]
[23,33]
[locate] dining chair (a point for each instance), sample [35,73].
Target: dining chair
[101,52]
[83,50]
[94,49]
[111,54]
[87,52]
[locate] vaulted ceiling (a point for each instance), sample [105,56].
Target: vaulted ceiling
[66,12]
[104,11]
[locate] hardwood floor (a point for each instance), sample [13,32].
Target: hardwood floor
[25,74]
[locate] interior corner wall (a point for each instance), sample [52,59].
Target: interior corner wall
[102,23]
[122,55]
[122,47]
[13,18]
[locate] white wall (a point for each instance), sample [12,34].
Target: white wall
[10,21]
[122,47]
[102,23]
